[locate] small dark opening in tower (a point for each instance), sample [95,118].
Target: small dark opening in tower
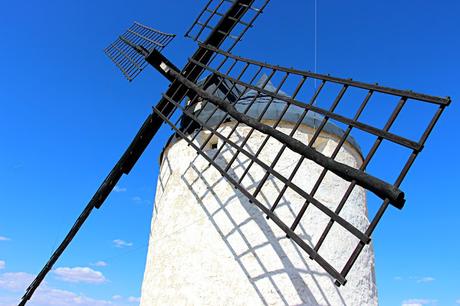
[212,143]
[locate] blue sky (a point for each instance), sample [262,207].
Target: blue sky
[67,115]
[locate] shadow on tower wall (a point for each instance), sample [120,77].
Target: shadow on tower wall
[260,270]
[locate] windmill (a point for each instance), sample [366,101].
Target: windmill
[297,154]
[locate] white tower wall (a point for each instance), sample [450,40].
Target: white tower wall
[210,246]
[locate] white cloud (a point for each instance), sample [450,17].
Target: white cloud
[139,200]
[417,279]
[46,296]
[418,302]
[8,301]
[426,279]
[121,243]
[2,264]
[119,189]
[99,263]
[133,299]
[18,165]
[3,238]
[57,297]
[79,275]
[117,297]
[15,281]
[457,301]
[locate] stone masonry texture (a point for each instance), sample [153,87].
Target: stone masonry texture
[210,246]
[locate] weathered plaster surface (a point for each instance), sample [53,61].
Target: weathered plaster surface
[210,246]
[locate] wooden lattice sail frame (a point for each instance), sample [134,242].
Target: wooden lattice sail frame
[217,30]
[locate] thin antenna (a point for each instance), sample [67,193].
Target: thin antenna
[316,39]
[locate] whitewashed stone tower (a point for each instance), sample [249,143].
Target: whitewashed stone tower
[210,246]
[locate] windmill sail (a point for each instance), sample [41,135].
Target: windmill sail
[212,16]
[218,89]
[372,113]
[140,42]
[130,62]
